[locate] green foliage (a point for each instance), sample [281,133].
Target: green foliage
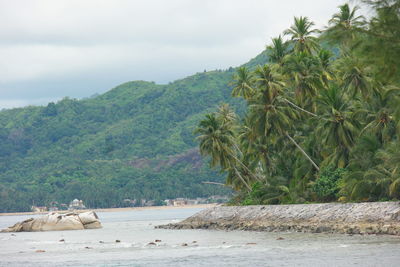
[135,141]
[326,187]
[326,118]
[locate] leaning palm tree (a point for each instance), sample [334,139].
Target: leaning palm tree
[243,83]
[301,33]
[217,141]
[270,116]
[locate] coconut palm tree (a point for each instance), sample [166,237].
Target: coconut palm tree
[301,34]
[381,113]
[344,25]
[217,141]
[243,83]
[338,126]
[355,76]
[305,76]
[268,81]
[278,50]
[328,73]
[270,115]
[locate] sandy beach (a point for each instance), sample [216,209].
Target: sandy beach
[118,209]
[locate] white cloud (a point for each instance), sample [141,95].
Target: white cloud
[55,42]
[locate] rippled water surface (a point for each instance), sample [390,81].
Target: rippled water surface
[135,230]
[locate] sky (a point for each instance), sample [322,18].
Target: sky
[50,49]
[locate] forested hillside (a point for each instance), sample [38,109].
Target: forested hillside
[321,124]
[135,141]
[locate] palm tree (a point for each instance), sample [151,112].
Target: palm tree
[301,34]
[304,72]
[278,50]
[268,81]
[326,66]
[381,112]
[226,114]
[217,141]
[355,76]
[270,115]
[243,82]
[344,25]
[338,126]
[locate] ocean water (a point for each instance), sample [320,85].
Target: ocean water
[135,230]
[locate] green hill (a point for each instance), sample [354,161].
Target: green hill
[134,141]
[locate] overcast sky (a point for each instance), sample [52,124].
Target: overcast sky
[76,48]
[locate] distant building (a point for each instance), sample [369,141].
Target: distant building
[76,204]
[38,209]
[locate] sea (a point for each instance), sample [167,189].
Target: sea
[129,238]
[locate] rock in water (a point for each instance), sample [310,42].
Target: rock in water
[57,222]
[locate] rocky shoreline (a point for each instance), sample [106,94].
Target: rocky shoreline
[348,218]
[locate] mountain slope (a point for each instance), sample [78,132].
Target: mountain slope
[135,141]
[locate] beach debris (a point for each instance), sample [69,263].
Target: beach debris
[157,240]
[13,235]
[61,240]
[184,245]
[280,238]
[101,242]
[40,251]
[251,243]
[88,247]
[194,242]
[117,241]
[151,244]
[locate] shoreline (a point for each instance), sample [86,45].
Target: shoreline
[202,206]
[342,218]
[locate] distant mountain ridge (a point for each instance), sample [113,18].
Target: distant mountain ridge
[135,141]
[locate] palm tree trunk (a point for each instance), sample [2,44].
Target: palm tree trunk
[302,109]
[206,182]
[241,163]
[302,151]
[245,167]
[242,179]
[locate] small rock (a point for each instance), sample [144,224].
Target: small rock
[152,244]
[184,244]
[157,240]
[40,251]
[117,241]
[223,242]
[101,242]
[280,238]
[194,242]
[13,235]
[88,247]
[61,240]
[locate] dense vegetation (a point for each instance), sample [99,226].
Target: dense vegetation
[134,142]
[322,118]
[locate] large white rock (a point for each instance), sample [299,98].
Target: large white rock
[57,222]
